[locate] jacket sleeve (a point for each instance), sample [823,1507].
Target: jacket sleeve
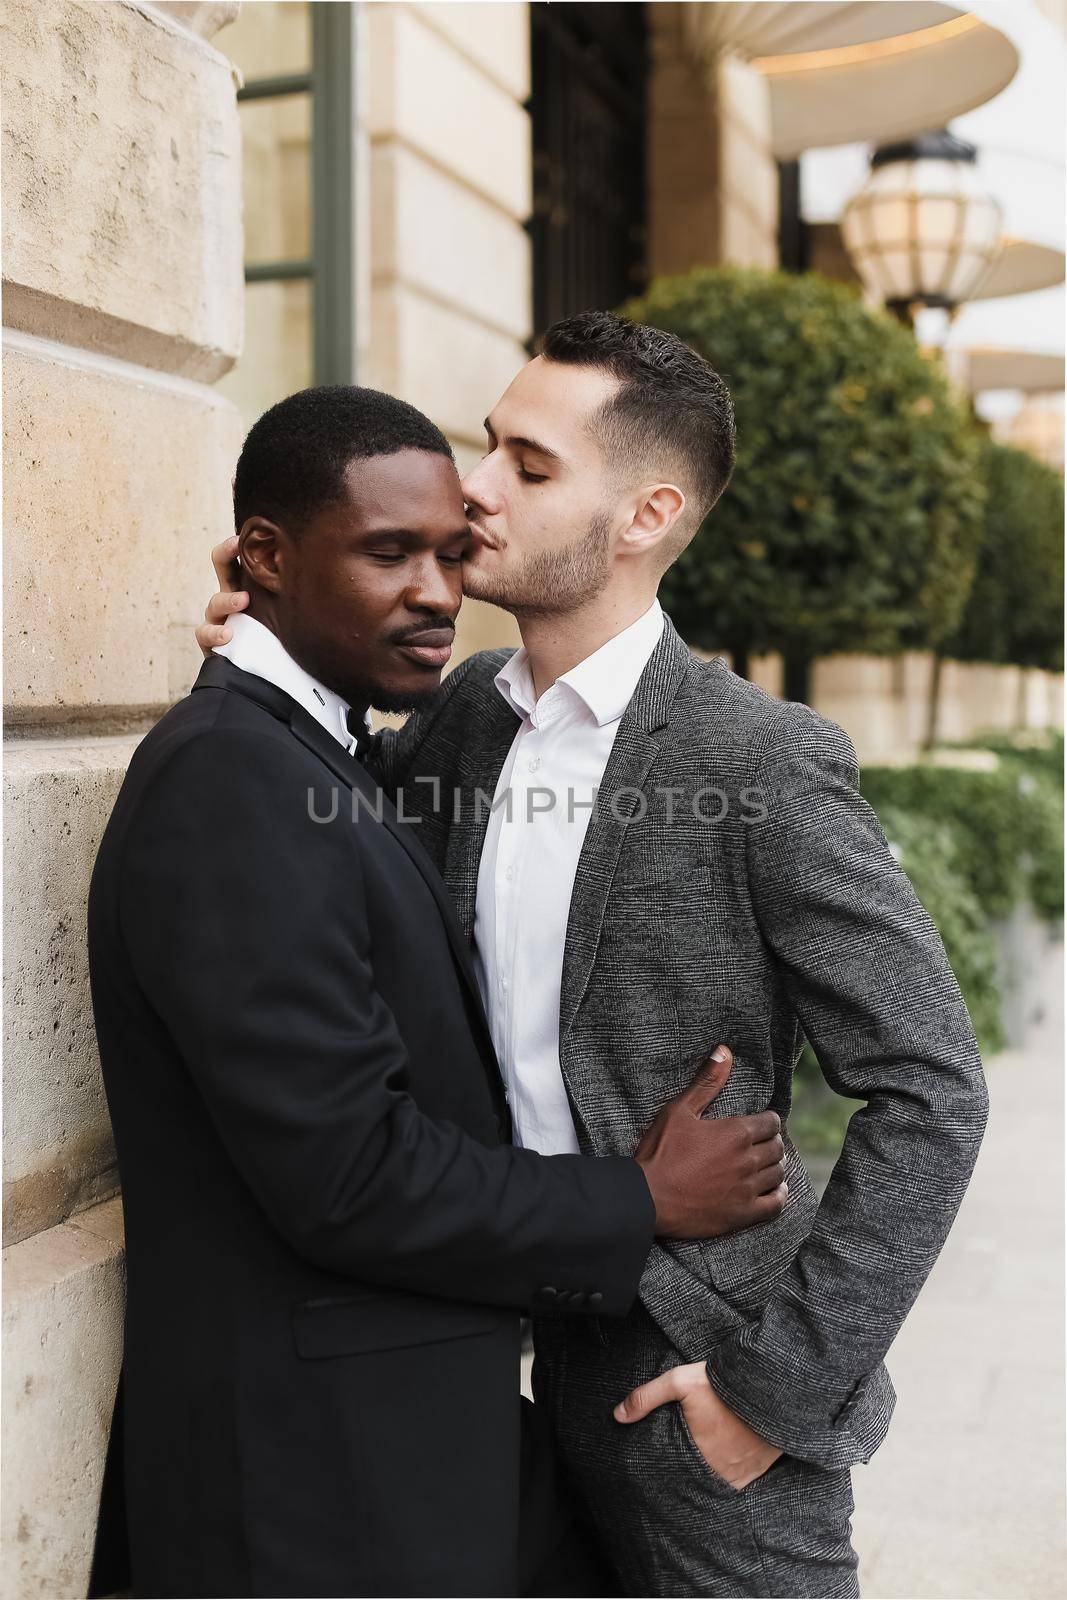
[272,1004]
[870,983]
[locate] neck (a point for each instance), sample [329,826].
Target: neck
[263,612]
[559,641]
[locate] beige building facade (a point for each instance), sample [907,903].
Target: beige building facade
[122,306]
[139,192]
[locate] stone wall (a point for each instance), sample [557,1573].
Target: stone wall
[122,304]
[450,189]
[713,179]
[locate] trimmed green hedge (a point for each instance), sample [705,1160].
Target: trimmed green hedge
[973,843]
[928,851]
[1036,750]
[1007,826]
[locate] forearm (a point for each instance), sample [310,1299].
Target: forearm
[834,1314]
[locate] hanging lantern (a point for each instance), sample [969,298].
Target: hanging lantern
[923,231]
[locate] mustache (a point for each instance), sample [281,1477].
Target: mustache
[431,623]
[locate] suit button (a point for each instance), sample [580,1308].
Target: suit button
[596,1299]
[548,1293]
[564,1296]
[578,1297]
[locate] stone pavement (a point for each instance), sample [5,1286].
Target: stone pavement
[966,1497]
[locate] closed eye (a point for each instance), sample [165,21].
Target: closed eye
[532,477]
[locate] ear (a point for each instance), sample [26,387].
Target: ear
[656,511]
[263,548]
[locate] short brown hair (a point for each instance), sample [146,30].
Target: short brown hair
[671,404]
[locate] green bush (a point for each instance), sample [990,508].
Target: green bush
[1007,827]
[1035,750]
[1015,608]
[928,851]
[852,519]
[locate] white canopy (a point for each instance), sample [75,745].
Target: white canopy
[841,72]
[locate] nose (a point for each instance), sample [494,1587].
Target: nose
[478,486]
[435,588]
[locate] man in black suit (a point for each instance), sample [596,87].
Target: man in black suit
[329,1238]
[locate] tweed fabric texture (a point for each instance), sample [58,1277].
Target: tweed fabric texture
[668,1524]
[735,887]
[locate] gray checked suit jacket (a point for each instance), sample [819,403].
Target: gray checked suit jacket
[734,886]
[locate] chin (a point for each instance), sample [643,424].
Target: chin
[404,697]
[487,586]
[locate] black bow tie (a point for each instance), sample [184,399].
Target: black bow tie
[357,727]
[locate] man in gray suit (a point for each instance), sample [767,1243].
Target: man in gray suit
[650,854]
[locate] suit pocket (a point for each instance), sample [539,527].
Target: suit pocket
[384,1321]
[745,1267]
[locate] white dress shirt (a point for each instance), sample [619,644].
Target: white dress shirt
[255,649]
[529,860]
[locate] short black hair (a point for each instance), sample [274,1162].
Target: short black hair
[294,458]
[671,402]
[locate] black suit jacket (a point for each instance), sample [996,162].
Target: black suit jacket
[328,1242]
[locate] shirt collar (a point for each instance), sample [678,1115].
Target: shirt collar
[255,649]
[604,682]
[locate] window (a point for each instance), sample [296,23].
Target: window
[298,129]
[589,70]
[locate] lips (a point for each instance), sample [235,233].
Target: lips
[431,648]
[481,538]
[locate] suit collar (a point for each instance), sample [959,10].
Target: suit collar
[604,682]
[255,649]
[218,673]
[658,686]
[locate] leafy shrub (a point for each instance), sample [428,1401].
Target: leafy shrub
[1007,827]
[852,519]
[1035,750]
[1015,608]
[928,851]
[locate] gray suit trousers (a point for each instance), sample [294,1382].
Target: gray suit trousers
[668,1524]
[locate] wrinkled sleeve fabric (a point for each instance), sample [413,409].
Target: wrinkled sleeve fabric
[273,1007]
[870,983]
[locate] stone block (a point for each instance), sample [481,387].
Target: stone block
[58,1153]
[988,697]
[429,96]
[450,367]
[436,235]
[204,17]
[116,486]
[495,34]
[63,1304]
[122,192]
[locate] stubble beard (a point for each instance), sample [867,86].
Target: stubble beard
[550,582]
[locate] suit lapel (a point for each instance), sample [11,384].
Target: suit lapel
[218,673]
[481,763]
[636,746]
[353,775]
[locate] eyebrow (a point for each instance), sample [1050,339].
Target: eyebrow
[520,442]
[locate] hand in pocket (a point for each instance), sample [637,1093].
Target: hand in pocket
[729,1446]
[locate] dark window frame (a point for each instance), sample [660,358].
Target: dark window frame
[332,265]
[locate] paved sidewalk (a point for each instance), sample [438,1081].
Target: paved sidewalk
[966,1497]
